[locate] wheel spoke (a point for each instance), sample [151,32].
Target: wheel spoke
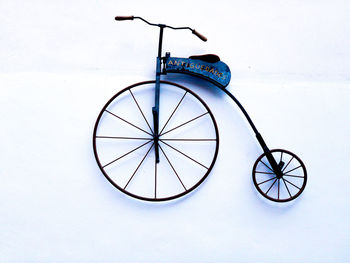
[271,186]
[172,167]
[278,192]
[281,157]
[263,172]
[266,181]
[287,187]
[184,123]
[293,169]
[291,175]
[190,140]
[185,155]
[155,178]
[288,164]
[292,184]
[126,154]
[266,166]
[122,138]
[138,166]
[128,122]
[143,115]
[171,115]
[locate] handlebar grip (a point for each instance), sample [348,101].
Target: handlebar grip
[122,18]
[199,35]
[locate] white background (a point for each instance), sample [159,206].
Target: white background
[62,60]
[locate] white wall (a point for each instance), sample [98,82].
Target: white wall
[303,38]
[61,61]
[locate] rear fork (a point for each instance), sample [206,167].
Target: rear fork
[276,167]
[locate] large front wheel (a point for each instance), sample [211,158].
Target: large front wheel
[124,147]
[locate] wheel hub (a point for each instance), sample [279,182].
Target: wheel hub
[280,165]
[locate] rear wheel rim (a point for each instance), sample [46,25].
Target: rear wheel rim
[285,189]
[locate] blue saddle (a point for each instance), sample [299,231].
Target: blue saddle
[208,67]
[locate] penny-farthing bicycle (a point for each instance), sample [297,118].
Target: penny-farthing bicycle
[157,140]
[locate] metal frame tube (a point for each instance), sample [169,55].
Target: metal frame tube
[260,139]
[155,109]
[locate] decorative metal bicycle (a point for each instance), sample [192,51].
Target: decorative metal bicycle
[157,140]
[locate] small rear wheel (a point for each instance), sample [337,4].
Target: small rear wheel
[292,182]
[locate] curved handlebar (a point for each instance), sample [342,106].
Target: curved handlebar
[122,18]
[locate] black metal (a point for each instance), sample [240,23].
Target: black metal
[156,172]
[276,169]
[263,172]
[143,115]
[184,154]
[118,158]
[160,43]
[155,113]
[120,118]
[290,156]
[171,27]
[122,138]
[266,166]
[293,169]
[196,33]
[261,141]
[290,175]
[291,183]
[271,185]
[137,168]
[184,123]
[172,167]
[268,180]
[192,140]
[171,115]
[155,179]
[284,181]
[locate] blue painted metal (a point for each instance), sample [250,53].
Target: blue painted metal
[155,109]
[218,73]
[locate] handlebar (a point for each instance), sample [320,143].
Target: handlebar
[200,36]
[123,18]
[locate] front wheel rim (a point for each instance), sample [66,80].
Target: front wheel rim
[165,144]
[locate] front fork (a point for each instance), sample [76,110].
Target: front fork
[155,111]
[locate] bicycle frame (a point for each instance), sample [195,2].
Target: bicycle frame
[210,68]
[155,110]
